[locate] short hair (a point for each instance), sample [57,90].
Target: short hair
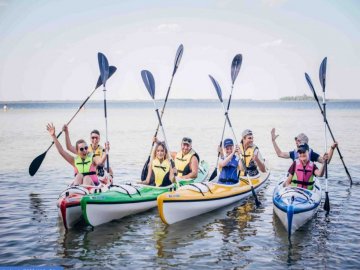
[95,131]
[79,142]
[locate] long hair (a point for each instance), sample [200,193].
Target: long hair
[156,148]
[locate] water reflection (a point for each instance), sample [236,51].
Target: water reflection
[37,207]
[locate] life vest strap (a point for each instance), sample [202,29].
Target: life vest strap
[304,183]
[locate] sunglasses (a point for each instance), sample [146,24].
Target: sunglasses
[186,140]
[83,148]
[95,138]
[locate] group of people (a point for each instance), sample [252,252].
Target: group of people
[237,161]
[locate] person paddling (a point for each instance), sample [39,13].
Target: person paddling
[160,173]
[84,163]
[251,155]
[229,165]
[94,147]
[303,170]
[300,139]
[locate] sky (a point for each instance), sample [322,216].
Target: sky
[48,49]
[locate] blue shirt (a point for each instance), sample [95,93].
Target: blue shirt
[313,156]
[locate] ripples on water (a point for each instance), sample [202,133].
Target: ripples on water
[237,236]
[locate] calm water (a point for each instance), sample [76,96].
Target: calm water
[238,236]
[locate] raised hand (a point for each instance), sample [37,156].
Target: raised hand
[273,135]
[51,129]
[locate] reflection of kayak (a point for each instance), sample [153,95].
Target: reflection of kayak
[196,199]
[295,206]
[68,202]
[127,199]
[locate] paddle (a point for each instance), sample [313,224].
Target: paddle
[218,91]
[176,65]
[307,77]
[104,74]
[36,163]
[235,68]
[149,82]
[322,78]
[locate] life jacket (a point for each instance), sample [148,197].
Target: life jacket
[251,168]
[160,173]
[98,152]
[182,162]
[229,173]
[296,154]
[304,175]
[85,166]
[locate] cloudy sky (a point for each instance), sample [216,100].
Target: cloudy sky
[48,49]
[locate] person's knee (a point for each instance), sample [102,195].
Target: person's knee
[88,181]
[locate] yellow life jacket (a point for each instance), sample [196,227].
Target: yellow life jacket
[85,166]
[160,173]
[248,160]
[182,163]
[98,152]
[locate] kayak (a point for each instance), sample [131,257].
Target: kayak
[295,206]
[128,199]
[68,203]
[199,198]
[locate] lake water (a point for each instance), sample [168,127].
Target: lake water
[238,236]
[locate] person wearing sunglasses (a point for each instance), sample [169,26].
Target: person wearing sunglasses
[302,171]
[301,139]
[160,173]
[94,147]
[251,155]
[84,163]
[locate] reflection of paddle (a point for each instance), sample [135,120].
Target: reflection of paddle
[150,86]
[235,68]
[104,74]
[36,163]
[218,91]
[307,77]
[176,64]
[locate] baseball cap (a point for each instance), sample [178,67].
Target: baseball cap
[228,142]
[246,132]
[302,138]
[186,140]
[303,148]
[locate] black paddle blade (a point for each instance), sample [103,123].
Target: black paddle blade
[257,202]
[217,87]
[213,175]
[307,77]
[322,73]
[178,56]
[112,70]
[149,82]
[104,68]
[145,169]
[327,203]
[35,164]
[235,67]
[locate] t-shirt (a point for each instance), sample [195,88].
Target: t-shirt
[292,168]
[313,156]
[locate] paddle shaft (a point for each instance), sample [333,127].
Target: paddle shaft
[333,138]
[106,131]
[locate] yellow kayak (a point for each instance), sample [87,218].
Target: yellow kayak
[199,198]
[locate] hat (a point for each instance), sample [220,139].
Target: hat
[186,140]
[303,148]
[246,132]
[302,138]
[228,142]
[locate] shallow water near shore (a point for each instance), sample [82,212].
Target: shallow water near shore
[237,236]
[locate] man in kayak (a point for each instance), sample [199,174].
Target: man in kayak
[251,156]
[84,163]
[300,139]
[229,165]
[94,147]
[160,173]
[303,170]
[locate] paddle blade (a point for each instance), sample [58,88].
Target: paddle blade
[178,56]
[322,73]
[217,87]
[36,163]
[104,68]
[213,175]
[290,214]
[112,70]
[327,203]
[235,67]
[145,169]
[257,202]
[149,82]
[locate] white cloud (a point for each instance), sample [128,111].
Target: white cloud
[168,28]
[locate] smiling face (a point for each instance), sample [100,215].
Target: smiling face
[95,138]
[248,140]
[185,148]
[82,149]
[160,152]
[229,149]
[303,156]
